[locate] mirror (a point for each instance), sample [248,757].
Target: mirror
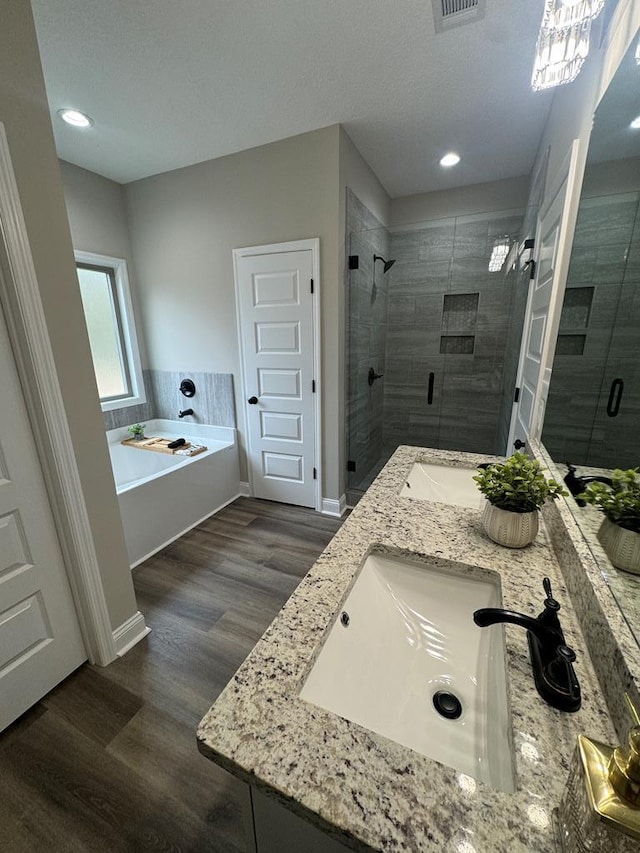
[592,416]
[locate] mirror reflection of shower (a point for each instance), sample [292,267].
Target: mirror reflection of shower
[387,267]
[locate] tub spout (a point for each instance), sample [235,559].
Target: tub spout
[185,413]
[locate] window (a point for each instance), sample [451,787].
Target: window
[104,288]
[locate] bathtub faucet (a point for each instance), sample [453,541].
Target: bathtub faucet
[185,413]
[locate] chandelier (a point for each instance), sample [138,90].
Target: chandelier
[563,41]
[501,248]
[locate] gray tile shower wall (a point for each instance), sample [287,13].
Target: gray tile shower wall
[428,334]
[213,402]
[132,414]
[367,302]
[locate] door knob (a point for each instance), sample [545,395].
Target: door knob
[519,444]
[252,401]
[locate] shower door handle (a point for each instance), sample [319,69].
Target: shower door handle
[615,397]
[430,389]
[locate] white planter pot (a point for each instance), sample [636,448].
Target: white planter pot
[621,546]
[513,529]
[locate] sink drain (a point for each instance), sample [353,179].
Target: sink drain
[447,705]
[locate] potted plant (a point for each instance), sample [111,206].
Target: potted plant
[515,490]
[137,431]
[619,533]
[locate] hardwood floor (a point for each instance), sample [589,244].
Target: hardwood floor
[108,761]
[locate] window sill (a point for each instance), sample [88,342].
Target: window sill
[125,402]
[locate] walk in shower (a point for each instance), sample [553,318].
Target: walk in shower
[593,409]
[433,341]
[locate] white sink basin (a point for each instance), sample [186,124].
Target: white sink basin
[410,634]
[442,484]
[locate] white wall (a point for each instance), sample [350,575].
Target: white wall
[25,115]
[477,198]
[184,225]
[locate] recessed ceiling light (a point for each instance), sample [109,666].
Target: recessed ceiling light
[635,124]
[451,159]
[75,118]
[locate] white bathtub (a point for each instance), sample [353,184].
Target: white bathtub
[162,496]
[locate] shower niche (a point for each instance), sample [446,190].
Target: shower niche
[432,322]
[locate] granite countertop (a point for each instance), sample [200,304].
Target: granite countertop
[370,792]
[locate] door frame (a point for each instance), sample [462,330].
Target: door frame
[570,174]
[313,245]
[29,337]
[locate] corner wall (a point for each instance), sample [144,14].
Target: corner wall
[25,114]
[184,226]
[460,201]
[98,222]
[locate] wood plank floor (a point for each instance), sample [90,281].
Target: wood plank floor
[108,762]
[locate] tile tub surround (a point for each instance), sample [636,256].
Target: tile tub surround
[359,787]
[212,403]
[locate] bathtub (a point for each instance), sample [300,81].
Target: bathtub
[162,496]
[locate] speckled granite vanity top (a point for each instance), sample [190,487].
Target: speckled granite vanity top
[362,788]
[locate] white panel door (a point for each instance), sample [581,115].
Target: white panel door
[276,308]
[542,314]
[40,640]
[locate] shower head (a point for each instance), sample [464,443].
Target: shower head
[387,264]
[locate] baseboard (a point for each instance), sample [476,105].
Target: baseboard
[245,490]
[130,633]
[333,507]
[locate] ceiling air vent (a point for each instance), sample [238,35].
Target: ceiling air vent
[454,13]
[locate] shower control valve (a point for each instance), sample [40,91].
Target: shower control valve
[372,376]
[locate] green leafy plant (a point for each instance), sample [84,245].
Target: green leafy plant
[517,485]
[621,502]
[137,429]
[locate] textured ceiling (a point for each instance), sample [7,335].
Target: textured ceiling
[173,83]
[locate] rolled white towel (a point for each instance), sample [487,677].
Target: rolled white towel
[191,450]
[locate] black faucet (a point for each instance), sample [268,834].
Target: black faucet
[577,484]
[551,658]
[185,413]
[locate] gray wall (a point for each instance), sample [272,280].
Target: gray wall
[184,225]
[98,221]
[25,114]
[461,201]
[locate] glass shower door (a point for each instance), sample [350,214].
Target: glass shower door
[593,407]
[367,297]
